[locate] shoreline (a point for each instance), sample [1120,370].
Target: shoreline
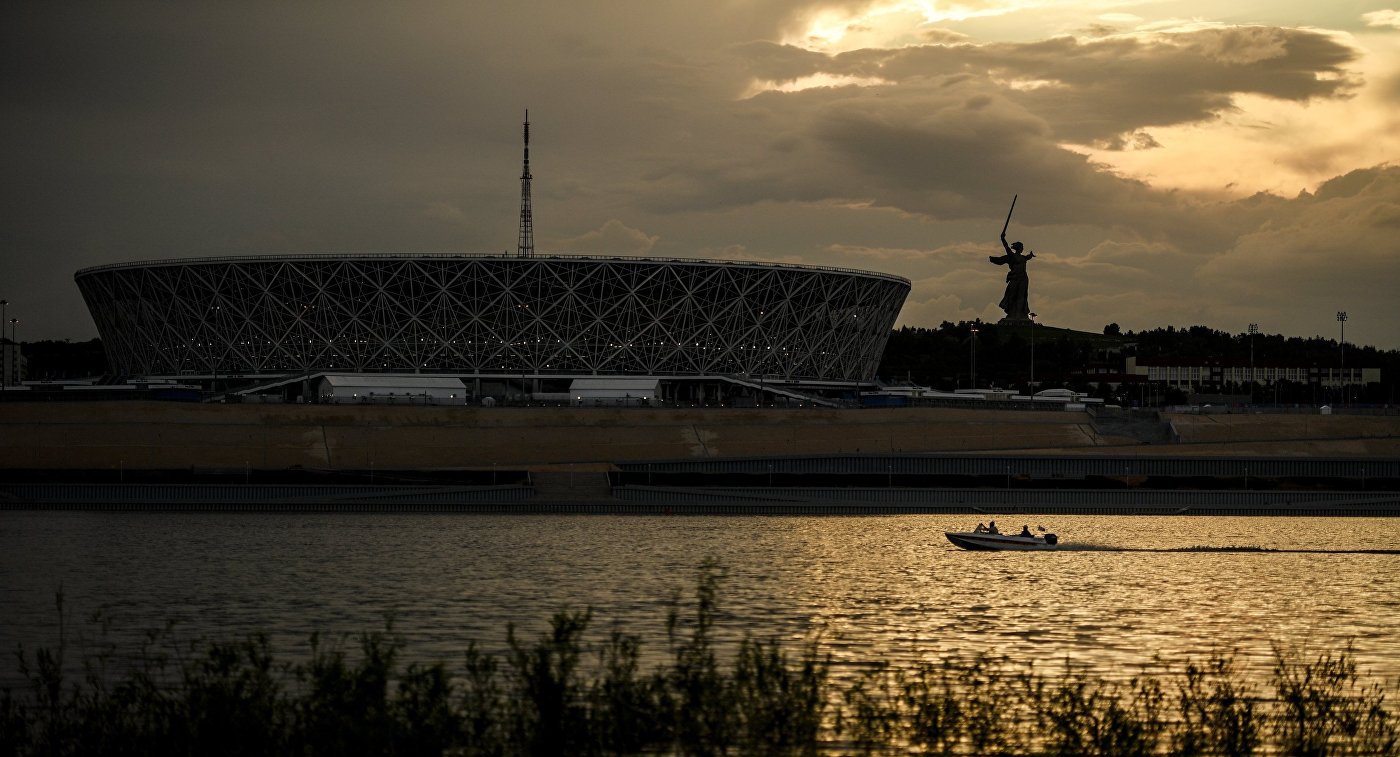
[656,500]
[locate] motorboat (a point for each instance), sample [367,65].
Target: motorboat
[982,539]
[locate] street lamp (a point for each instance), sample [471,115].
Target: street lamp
[1253,329]
[4,365]
[1032,315]
[1342,319]
[974,356]
[13,323]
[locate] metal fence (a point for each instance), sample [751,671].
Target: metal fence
[251,496]
[834,500]
[1063,466]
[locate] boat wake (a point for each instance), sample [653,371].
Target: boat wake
[1224,549]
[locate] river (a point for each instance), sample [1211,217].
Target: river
[1115,597]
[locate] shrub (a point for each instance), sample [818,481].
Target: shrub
[563,693]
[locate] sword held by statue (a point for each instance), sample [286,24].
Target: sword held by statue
[1007,225]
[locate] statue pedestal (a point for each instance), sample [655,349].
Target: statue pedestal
[1013,321]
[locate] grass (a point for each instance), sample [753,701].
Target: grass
[569,692]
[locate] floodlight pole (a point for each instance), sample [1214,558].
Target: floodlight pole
[1253,329]
[973,342]
[1032,387]
[14,322]
[4,364]
[1342,319]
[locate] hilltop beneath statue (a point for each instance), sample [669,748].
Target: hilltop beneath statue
[1022,327]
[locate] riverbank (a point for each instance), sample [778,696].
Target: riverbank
[591,496]
[210,437]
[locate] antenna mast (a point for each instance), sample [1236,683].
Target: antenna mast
[526,248]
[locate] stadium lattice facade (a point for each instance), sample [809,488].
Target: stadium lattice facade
[491,315]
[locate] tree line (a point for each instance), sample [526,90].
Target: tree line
[942,358]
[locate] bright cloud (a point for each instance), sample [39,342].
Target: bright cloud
[612,237]
[1389,18]
[811,82]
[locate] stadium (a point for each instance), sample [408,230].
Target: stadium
[450,328]
[509,326]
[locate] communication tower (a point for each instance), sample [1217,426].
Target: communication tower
[526,248]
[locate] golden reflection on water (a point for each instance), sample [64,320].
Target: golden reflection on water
[868,588]
[1108,608]
[1100,603]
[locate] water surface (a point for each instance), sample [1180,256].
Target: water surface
[869,588]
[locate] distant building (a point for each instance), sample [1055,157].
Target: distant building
[614,391]
[1066,396]
[391,390]
[13,364]
[1188,373]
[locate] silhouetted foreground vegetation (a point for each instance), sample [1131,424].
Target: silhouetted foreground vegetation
[563,693]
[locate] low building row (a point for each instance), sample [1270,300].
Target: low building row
[1188,373]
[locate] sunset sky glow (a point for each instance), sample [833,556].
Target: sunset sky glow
[1177,162]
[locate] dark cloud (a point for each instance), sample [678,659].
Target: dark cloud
[947,149]
[1327,249]
[141,130]
[1100,89]
[782,63]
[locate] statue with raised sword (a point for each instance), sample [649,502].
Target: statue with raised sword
[1016,299]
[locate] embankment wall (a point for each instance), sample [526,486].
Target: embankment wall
[155,435]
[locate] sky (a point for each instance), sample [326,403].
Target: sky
[1175,162]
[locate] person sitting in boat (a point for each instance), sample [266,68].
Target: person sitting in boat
[992,528]
[981,528]
[1026,531]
